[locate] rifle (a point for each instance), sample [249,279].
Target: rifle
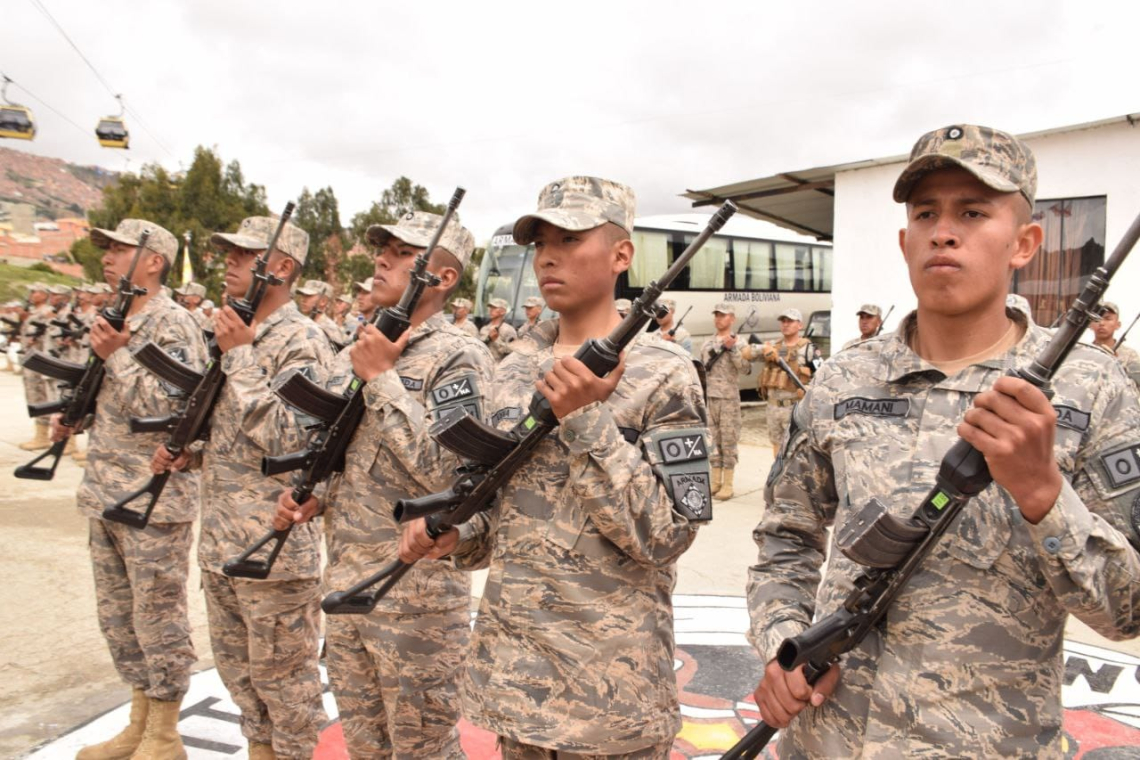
[340,415]
[722,351]
[71,328]
[1120,342]
[193,421]
[883,321]
[752,339]
[81,382]
[893,548]
[673,330]
[497,456]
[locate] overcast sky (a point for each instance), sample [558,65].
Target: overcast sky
[504,97]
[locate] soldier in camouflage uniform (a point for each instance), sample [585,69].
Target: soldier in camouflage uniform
[394,671]
[968,662]
[498,333]
[723,392]
[572,651]
[1104,334]
[774,383]
[665,323]
[38,389]
[870,320]
[533,307]
[192,294]
[140,575]
[461,310]
[314,303]
[263,632]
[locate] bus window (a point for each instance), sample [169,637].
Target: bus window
[706,271]
[505,272]
[650,258]
[753,265]
[793,267]
[821,269]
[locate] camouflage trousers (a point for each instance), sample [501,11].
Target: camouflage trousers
[513,750]
[38,389]
[140,593]
[395,676]
[264,636]
[780,405]
[724,430]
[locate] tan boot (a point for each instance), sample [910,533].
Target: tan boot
[725,493]
[40,441]
[122,746]
[259,751]
[161,740]
[717,479]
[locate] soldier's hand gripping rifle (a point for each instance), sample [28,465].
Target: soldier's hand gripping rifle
[753,340]
[498,456]
[883,321]
[672,331]
[202,389]
[893,548]
[80,382]
[719,352]
[1120,342]
[340,415]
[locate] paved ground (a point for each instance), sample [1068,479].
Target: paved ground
[55,672]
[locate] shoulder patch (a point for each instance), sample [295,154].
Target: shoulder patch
[683,448]
[873,407]
[462,391]
[1072,418]
[679,458]
[1122,466]
[452,391]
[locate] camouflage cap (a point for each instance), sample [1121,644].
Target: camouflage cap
[254,232]
[532,302]
[1110,306]
[59,290]
[34,286]
[161,241]
[577,204]
[207,304]
[102,287]
[192,289]
[315,288]
[999,160]
[724,308]
[461,303]
[793,314]
[416,228]
[623,305]
[345,299]
[871,309]
[365,285]
[668,303]
[499,303]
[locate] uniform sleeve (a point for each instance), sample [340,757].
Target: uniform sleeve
[743,366]
[139,391]
[1087,542]
[266,420]
[615,484]
[800,502]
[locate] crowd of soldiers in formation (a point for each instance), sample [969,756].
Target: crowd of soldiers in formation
[571,653]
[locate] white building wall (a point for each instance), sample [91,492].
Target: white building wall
[868,265]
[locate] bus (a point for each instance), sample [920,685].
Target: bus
[749,263]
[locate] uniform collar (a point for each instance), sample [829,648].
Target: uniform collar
[288,310]
[427,327]
[144,314]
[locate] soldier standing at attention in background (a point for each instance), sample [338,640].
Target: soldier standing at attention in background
[140,575]
[724,398]
[193,293]
[497,333]
[38,388]
[533,308]
[969,663]
[870,320]
[315,296]
[263,632]
[1104,334]
[461,308]
[774,383]
[665,323]
[572,651]
[395,670]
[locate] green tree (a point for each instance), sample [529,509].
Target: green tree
[403,196]
[90,257]
[319,215]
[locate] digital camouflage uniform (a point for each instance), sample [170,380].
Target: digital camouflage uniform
[141,575]
[970,664]
[394,670]
[205,324]
[775,384]
[723,392]
[331,330]
[499,347]
[682,338]
[469,327]
[1130,361]
[38,388]
[573,645]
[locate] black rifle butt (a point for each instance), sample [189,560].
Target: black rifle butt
[407,510]
[32,470]
[46,408]
[275,465]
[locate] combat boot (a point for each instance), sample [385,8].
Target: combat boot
[259,751]
[717,479]
[725,493]
[40,441]
[122,746]
[161,740]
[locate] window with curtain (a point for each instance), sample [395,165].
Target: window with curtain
[753,265]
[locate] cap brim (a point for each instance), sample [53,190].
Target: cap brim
[233,240]
[567,220]
[923,165]
[103,238]
[379,235]
[303,292]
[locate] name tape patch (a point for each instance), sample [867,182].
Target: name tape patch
[683,448]
[1122,466]
[872,407]
[412,383]
[453,391]
[506,413]
[1072,418]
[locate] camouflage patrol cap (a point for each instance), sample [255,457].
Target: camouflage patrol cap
[345,299]
[315,288]
[870,309]
[161,241]
[102,287]
[416,228]
[668,303]
[207,304]
[532,302]
[499,303]
[577,204]
[793,314]
[1110,306]
[724,308]
[623,305]
[365,285]
[59,290]
[34,286]
[254,232]
[461,303]
[192,289]
[999,160]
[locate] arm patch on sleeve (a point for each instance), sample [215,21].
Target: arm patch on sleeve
[462,391]
[680,460]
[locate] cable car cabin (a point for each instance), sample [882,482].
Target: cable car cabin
[17,122]
[112,133]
